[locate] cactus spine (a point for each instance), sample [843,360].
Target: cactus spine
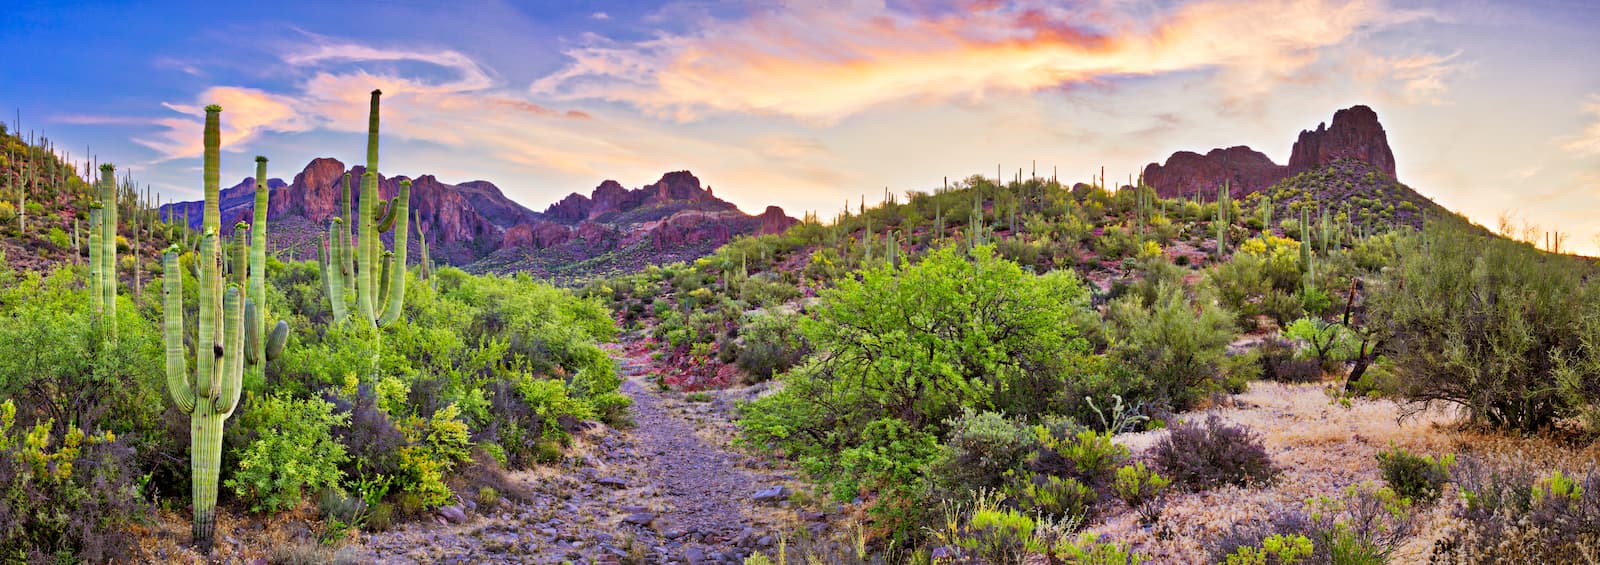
[212,393]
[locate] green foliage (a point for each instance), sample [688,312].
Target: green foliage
[1176,343]
[1087,549]
[869,408]
[64,497]
[1330,343]
[1140,488]
[293,452]
[980,449]
[1417,477]
[772,345]
[1278,549]
[1510,334]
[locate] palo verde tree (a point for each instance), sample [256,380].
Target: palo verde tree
[222,341]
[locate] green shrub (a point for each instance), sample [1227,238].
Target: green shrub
[1277,549]
[1510,334]
[772,344]
[981,448]
[1177,344]
[65,498]
[293,451]
[988,334]
[1141,489]
[1417,477]
[1087,549]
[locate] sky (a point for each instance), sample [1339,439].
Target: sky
[1491,108]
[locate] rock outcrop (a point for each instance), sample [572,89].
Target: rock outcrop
[1354,134]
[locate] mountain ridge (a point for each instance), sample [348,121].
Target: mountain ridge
[471,220]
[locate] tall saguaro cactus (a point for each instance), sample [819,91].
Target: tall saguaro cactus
[103,248]
[262,347]
[223,340]
[380,282]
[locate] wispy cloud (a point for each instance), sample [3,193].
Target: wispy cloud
[824,61]
[1418,79]
[1588,142]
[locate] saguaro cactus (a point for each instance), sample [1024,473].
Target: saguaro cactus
[261,346]
[379,299]
[211,393]
[103,248]
[1224,209]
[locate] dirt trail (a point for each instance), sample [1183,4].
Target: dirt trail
[655,493]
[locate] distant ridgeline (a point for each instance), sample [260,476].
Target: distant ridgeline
[474,225]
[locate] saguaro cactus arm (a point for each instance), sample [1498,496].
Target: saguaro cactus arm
[258,267]
[177,357]
[397,279]
[232,354]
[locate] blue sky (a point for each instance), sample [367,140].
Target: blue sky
[1491,107]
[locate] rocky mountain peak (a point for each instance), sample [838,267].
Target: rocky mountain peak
[1354,134]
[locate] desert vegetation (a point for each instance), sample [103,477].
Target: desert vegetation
[1329,370]
[1006,373]
[126,405]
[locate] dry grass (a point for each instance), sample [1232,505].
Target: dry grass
[1322,448]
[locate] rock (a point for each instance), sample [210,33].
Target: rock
[771,494]
[454,514]
[694,556]
[612,482]
[1354,134]
[639,518]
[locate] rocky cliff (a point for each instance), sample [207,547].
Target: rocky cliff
[1354,134]
[470,221]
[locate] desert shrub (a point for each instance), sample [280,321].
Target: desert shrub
[987,334]
[1329,342]
[1277,549]
[1141,489]
[59,364]
[1504,331]
[293,451]
[1176,343]
[65,498]
[1417,477]
[772,344]
[1213,453]
[1262,278]
[1280,363]
[980,449]
[1364,526]
[1064,498]
[367,432]
[1513,515]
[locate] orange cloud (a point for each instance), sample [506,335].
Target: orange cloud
[249,112]
[824,61]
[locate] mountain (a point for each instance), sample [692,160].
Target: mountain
[473,224]
[1355,134]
